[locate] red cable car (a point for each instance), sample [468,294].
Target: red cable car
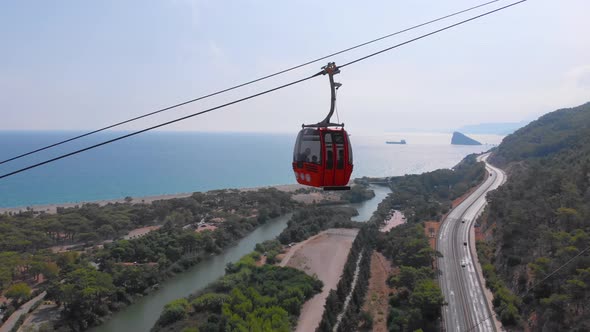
[323,154]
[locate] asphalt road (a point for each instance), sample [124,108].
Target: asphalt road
[467,308]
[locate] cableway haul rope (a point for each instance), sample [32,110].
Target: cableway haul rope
[156,126]
[248,97]
[244,84]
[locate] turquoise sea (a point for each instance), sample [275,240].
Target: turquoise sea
[172,162]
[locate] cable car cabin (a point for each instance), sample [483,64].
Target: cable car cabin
[323,158]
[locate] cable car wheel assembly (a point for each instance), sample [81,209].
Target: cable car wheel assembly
[323,154]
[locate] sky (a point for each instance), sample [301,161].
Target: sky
[81,65]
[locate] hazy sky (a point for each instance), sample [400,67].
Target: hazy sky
[85,64]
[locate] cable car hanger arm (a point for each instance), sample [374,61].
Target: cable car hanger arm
[331,69]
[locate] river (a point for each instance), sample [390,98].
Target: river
[143,314]
[367,208]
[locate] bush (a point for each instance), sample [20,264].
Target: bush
[19,291]
[210,302]
[174,311]
[366,321]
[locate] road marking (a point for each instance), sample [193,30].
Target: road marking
[476,305]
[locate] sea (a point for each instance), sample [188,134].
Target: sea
[158,163]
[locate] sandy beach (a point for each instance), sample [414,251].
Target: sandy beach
[323,255]
[52,208]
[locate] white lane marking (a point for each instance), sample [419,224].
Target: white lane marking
[464,210]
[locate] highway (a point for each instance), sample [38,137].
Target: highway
[460,282]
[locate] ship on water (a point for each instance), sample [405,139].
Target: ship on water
[396,142]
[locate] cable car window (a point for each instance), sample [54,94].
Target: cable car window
[329,159]
[329,152]
[339,141]
[308,147]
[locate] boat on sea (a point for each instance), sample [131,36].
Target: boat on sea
[396,142]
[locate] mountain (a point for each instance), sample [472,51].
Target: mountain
[537,225]
[496,128]
[461,139]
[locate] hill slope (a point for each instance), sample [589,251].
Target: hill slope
[540,220]
[494,128]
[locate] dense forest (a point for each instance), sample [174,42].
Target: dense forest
[357,193]
[428,196]
[417,300]
[101,275]
[538,225]
[248,298]
[90,223]
[310,221]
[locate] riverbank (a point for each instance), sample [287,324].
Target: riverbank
[142,315]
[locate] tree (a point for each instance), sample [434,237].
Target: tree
[174,311]
[210,301]
[409,276]
[19,291]
[106,231]
[88,237]
[428,297]
[85,294]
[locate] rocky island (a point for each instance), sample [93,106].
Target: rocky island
[461,139]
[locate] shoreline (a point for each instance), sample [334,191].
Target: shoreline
[52,208]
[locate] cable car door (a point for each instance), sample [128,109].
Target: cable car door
[330,160]
[340,158]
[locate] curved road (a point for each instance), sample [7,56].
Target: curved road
[461,285]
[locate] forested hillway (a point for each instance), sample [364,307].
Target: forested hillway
[537,226]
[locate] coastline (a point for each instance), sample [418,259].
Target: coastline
[52,208]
